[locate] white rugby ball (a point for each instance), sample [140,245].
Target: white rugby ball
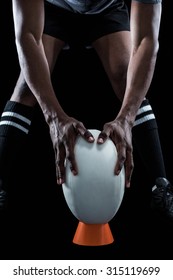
[95,194]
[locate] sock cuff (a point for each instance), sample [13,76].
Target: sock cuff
[145,115]
[21,109]
[16,118]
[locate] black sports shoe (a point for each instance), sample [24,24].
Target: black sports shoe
[162,198]
[2,199]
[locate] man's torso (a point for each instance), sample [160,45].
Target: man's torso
[83,7]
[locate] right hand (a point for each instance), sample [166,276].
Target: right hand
[63,135]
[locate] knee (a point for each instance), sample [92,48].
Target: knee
[117,76]
[22,93]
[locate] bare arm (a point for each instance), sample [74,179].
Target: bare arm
[145,25]
[28,24]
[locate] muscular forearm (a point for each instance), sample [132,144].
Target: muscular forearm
[28,23]
[139,77]
[143,56]
[37,75]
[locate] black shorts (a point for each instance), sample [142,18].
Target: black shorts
[83,29]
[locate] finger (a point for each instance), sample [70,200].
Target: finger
[121,157]
[102,137]
[70,155]
[60,165]
[86,134]
[60,174]
[129,166]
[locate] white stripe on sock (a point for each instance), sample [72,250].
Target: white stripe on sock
[144,109]
[18,116]
[154,188]
[15,125]
[144,119]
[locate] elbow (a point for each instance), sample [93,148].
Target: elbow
[153,51]
[148,47]
[25,39]
[155,48]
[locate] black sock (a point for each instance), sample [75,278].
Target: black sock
[146,140]
[15,123]
[15,119]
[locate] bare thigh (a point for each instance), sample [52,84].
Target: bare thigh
[21,91]
[114,52]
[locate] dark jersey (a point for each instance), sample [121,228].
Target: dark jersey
[90,6]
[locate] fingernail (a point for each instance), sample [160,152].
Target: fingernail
[100,140]
[74,172]
[128,185]
[91,138]
[59,181]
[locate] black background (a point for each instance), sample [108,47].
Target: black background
[43,227]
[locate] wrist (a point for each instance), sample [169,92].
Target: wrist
[126,118]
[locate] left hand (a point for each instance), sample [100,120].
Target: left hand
[119,131]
